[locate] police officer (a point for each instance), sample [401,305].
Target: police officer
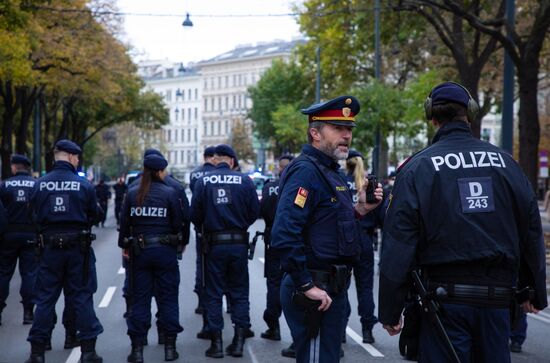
[151,229]
[18,241]
[363,269]
[225,204]
[65,208]
[272,266]
[103,195]
[464,213]
[195,175]
[315,232]
[120,189]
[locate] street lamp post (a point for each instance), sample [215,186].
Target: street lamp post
[376,150]
[508,89]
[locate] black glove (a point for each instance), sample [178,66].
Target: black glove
[408,340]
[312,316]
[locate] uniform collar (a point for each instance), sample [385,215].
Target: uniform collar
[62,164]
[454,127]
[321,156]
[222,165]
[25,173]
[208,164]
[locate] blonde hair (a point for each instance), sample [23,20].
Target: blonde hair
[357,167]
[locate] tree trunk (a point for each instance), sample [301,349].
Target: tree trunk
[27,101]
[10,109]
[528,114]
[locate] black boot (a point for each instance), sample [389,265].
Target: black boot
[216,345]
[367,336]
[71,341]
[37,353]
[161,335]
[28,314]
[289,352]
[273,333]
[236,347]
[89,355]
[248,333]
[170,352]
[204,334]
[136,355]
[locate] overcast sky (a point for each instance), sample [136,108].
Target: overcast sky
[155,37]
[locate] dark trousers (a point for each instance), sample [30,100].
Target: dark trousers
[274,276]
[104,205]
[57,268]
[118,207]
[326,347]
[14,247]
[227,272]
[156,272]
[198,270]
[519,334]
[363,271]
[68,319]
[478,335]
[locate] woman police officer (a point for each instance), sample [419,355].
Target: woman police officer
[150,229]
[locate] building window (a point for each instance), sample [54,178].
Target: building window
[195,158]
[205,105]
[195,136]
[189,156]
[226,103]
[212,104]
[188,135]
[227,127]
[169,135]
[183,114]
[234,80]
[176,114]
[205,131]
[189,94]
[169,95]
[196,93]
[196,113]
[219,127]
[219,82]
[219,103]
[205,84]
[212,128]
[189,115]
[226,81]
[181,157]
[234,105]
[212,82]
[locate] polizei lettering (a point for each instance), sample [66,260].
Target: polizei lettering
[60,185]
[148,212]
[20,183]
[468,160]
[222,179]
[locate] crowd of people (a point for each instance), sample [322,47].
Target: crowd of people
[457,219]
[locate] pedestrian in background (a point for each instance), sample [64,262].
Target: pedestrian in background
[151,229]
[120,189]
[103,195]
[463,213]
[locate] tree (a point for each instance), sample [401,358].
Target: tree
[241,142]
[524,45]
[290,127]
[283,83]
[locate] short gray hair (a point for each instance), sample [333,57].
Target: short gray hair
[317,125]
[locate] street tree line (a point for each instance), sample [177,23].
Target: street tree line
[423,42]
[69,67]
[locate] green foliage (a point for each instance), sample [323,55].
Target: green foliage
[283,83]
[290,127]
[241,142]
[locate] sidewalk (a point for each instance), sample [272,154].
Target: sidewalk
[544,216]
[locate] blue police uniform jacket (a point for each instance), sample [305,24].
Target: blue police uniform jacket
[199,173]
[62,201]
[315,224]
[161,213]
[182,201]
[15,193]
[268,204]
[466,203]
[224,200]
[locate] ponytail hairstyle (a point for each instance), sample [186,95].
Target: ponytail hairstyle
[147,178]
[356,166]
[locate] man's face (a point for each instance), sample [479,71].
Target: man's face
[335,141]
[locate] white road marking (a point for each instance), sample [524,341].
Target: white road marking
[262,260]
[74,356]
[121,270]
[224,303]
[107,297]
[543,313]
[252,355]
[540,318]
[368,347]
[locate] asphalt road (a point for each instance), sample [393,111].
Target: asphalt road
[114,344]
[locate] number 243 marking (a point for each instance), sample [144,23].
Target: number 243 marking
[477,203]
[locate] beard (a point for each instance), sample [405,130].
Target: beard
[333,150]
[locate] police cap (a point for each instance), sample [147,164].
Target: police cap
[225,150]
[209,151]
[354,153]
[339,111]
[20,159]
[450,92]
[155,162]
[68,146]
[152,151]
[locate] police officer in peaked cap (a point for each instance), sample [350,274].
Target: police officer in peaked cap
[65,208]
[464,215]
[272,265]
[19,238]
[315,232]
[225,204]
[151,229]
